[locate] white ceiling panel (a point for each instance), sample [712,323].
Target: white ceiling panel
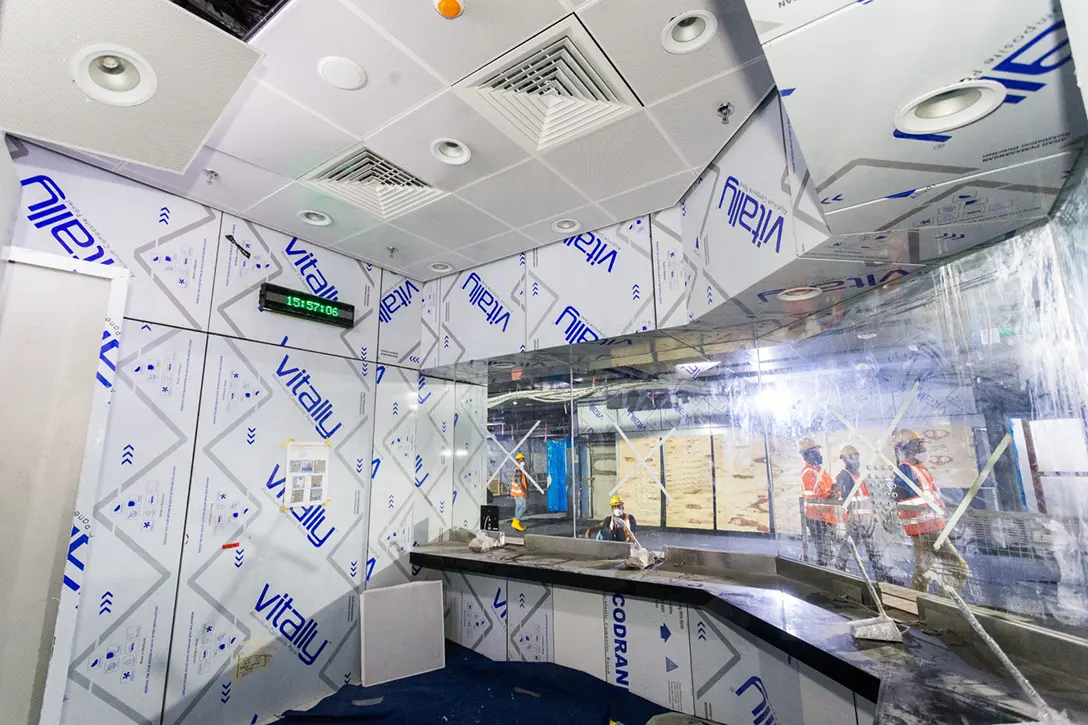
[280,211]
[451,223]
[693,119]
[655,196]
[589,217]
[236,185]
[305,31]
[423,272]
[373,246]
[455,48]
[629,31]
[411,138]
[625,155]
[523,194]
[498,247]
[266,128]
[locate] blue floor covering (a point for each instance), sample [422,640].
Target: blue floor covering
[474,690]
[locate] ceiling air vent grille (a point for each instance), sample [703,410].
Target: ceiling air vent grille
[380,187]
[559,89]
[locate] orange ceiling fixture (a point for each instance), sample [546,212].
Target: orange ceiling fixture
[450,9]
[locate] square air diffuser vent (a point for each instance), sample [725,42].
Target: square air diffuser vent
[139,80]
[557,86]
[370,182]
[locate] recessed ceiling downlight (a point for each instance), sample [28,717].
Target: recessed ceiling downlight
[440,267]
[451,151]
[315,218]
[951,107]
[799,294]
[113,75]
[342,73]
[566,226]
[688,31]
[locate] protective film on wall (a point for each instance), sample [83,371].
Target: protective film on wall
[591,286]
[399,321]
[266,613]
[250,255]
[395,506]
[483,312]
[167,243]
[434,458]
[430,322]
[118,668]
[470,453]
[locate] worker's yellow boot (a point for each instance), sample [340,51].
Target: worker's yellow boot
[517,525]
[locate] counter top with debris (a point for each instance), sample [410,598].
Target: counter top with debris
[928,679]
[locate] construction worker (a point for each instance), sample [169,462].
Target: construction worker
[619,525]
[860,521]
[820,518]
[518,488]
[921,521]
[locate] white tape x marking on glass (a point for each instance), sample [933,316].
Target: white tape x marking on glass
[641,461]
[510,456]
[973,490]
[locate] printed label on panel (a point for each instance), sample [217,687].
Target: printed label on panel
[592,286]
[266,613]
[119,662]
[395,507]
[530,622]
[647,650]
[431,322]
[250,255]
[167,243]
[399,321]
[482,618]
[673,270]
[483,312]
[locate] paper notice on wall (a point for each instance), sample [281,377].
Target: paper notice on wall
[307,474]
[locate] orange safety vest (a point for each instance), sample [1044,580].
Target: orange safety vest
[517,487]
[917,516]
[861,498]
[817,483]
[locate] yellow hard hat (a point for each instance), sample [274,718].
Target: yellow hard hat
[807,444]
[848,451]
[904,436]
[520,456]
[615,501]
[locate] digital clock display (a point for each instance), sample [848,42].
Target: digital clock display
[284,301]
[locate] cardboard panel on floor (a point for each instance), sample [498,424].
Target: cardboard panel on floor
[531,622]
[250,255]
[591,286]
[122,636]
[266,614]
[166,242]
[393,501]
[483,311]
[399,321]
[647,650]
[579,620]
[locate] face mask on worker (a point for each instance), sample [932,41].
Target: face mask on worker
[817,458]
[618,511]
[921,456]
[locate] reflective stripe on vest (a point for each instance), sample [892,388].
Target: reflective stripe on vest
[917,515]
[827,513]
